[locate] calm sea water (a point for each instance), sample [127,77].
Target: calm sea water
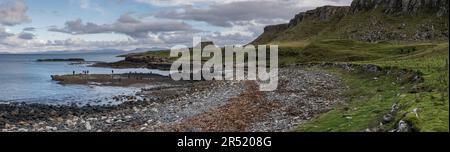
[24,80]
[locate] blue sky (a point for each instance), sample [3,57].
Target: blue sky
[41,25]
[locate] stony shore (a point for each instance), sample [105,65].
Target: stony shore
[190,106]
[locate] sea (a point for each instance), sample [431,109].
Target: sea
[23,80]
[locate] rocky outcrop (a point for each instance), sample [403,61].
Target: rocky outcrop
[321,13]
[270,32]
[276,28]
[401,6]
[367,20]
[389,6]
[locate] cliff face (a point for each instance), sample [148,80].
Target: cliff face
[270,33]
[402,6]
[367,20]
[321,13]
[275,28]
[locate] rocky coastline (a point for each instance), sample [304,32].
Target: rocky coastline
[187,106]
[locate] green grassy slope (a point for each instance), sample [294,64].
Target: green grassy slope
[417,42]
[369,99]
[365,26]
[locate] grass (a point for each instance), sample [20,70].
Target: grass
[398,27]
[432,61]
[161,54]
[336,50]
[364,108]
[368,99]
[151,54]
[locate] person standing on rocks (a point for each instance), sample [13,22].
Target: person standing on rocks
[112,74]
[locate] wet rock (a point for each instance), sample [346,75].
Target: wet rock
[22,130]
[394,108]
[71,122]
[50,128]
[388,118]
[416,112]
[88,126]
[403,127]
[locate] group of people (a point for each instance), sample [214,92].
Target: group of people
[85,72]
[136,75]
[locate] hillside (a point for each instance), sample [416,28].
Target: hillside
[387,35]
[369,21]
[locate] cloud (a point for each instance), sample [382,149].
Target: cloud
[301,3]
[186,2]
[239,34]
[226,14]
[30,29]
[26,36]
[89,5]
[78,27]
[13,12]
[126,18]
[229,38]
[126,24]
[14,40]
[229,12]
[16,45]
[4,34]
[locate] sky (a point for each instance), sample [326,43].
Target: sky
[49,25]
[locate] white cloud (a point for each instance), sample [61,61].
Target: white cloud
[300,3]
[127,25]
[227,14]
[89,5]
[29,29]
[13,12]
[26,36]
[4,33]
[17,45]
